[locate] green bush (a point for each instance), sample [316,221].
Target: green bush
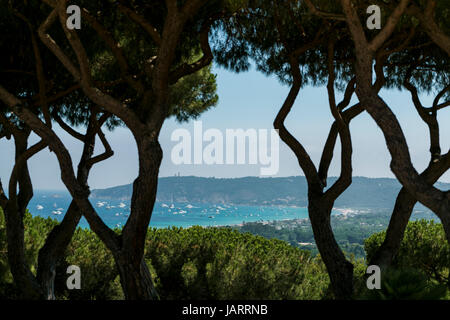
[5,276]
[406,284]
[194,263]
[219,263]
[424,248]
[99,277]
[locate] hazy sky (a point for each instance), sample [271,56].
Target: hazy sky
[252,100]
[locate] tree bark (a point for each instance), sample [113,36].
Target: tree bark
[401,165]
[54,250]
[135,278]
[24,279]
[340,270]
[15,209]
[59,238]
[404,206]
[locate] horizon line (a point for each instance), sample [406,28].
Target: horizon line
[223,178]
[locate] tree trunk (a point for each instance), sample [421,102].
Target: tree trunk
[54,250]
[24,279]
[404,206]
[445,219]
[15,209]
[135,278]
[59,238]
[339,269]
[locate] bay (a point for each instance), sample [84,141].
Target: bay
[114,213]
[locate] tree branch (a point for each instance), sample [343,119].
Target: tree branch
[79,193]
[7,126]
[39,70]
[116,50]
[144,23]
[3,198]
[433,30]
[439,96]
[83,77]
[105,155]
[19,163]
[389,28]
[303,157]
[325,15]
[51,44]
[68,128]
[205,60]
[345,177]
[328,151]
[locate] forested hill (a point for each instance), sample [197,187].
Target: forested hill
[363,193]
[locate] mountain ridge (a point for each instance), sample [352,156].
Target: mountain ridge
[285,191]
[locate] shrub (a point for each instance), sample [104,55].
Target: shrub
[424,248]
[194,263]
[219,263]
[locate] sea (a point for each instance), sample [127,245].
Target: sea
[114,213]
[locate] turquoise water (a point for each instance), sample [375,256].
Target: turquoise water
[115,212]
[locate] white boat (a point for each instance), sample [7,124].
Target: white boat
[122,205]
[57,212]
[39,207]
[100,204]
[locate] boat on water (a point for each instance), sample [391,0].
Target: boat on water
[101,204]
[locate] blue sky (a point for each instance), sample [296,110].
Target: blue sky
[252,100]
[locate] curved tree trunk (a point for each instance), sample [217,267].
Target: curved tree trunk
[385,254]
[24,280]
[59,238]
[401,164]
[15,210]
[401,214]
[54,249]
[339,268]
[446,223]
[135,278]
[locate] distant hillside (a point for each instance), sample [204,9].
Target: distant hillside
[363,193]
